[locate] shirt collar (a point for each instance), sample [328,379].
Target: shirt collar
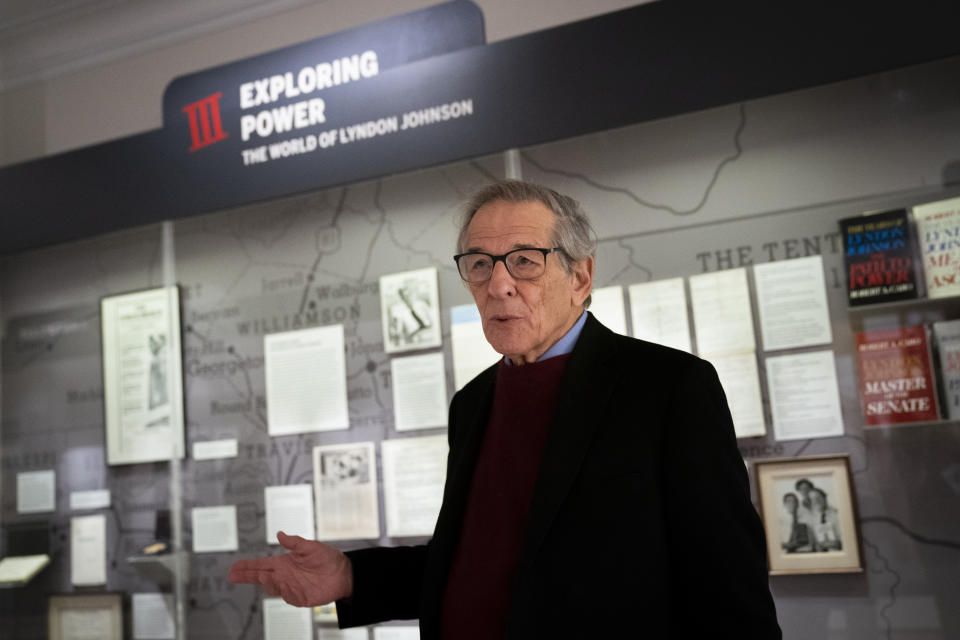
[564,344]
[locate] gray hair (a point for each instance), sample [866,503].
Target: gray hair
[571,230]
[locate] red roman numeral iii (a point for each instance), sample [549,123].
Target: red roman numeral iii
[205,126]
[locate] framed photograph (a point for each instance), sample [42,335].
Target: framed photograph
[85,617]
[410,310]
[142,376]
[809,515]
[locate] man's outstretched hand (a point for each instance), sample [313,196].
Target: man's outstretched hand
[310,575]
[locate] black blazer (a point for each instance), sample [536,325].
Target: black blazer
[640,523]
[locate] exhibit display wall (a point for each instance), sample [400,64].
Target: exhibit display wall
[754,183]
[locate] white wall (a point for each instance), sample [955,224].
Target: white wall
[122,97]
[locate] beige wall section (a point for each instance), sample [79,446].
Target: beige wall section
[123,97]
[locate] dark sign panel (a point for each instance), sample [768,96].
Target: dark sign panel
[411,92]
[262,99]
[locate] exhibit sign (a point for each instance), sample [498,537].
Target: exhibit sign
[604,72]
[142,376]
[271,116]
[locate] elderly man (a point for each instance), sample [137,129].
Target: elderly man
[593,480]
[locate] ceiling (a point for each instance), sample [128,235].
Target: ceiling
[40,39]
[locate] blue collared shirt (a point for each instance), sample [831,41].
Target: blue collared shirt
[564,344]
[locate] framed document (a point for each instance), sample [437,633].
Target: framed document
[809,515]
[410,310]
[345,486]
[142,376]
[85,617]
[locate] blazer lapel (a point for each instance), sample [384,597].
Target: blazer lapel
[464,459]
[460,468]
[586,388]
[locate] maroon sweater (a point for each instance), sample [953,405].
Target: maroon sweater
[481,576]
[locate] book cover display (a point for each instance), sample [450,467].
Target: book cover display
[946,337]
[938,232]
[879,257]
[896,381]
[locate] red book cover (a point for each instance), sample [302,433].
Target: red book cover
[896,381]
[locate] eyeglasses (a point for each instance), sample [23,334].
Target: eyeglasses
[476,267]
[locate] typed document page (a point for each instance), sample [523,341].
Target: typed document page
[792,301]
[289,509]
[282,621]
[214,528]
[659,313]
[741,383]
[419,391]
[306,381]
[722,316]
[414,470]
[345,484]
[153,616]
[804,397]
[88,550]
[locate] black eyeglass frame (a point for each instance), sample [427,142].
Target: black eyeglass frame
[502,258]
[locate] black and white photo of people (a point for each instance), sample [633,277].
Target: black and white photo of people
[808,523]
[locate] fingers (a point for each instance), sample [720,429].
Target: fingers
[290,543]
[249,571]
[239,576]
[276,588]
[271,581]
[253,566]
[266,578]
[269,585]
